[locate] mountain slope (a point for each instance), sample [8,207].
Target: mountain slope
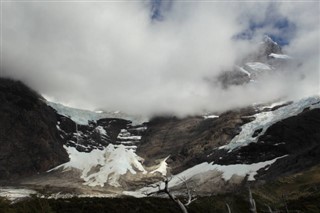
[113,156]
[29,139]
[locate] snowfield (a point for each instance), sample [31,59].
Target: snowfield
[100,167]
[105,167]
[205,171]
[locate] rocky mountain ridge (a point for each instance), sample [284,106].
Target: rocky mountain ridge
[266,59]
[113,156]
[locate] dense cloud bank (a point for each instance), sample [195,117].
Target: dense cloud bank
[117,56]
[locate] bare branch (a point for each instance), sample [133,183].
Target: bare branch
[253,208]
[156,186]
[171,196]
[228,207]
[190,197]
[269,209]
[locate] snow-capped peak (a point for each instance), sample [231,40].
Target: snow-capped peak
[268,39]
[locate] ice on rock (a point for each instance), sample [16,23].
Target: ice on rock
[83,117]
[204,170]
[264,120]
[109,164]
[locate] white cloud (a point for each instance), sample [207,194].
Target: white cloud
[111,55]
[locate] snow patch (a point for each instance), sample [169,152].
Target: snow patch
[162,168]
[270,106]
[13,194]
[101,131]
[257,66]
[201,171]
[264,120]
[279,56]
[100,167]
[210,116]
[133,137]
[227,170]
[241,69]
[143,128]
[124,135]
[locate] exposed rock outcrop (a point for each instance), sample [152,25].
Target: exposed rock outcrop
[189,141]
[33,134]
[29,140]
[299,138]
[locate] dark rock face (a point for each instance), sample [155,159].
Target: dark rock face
[85,138]
[299,138]
[189,141]
[32,136]
[268,46]
[234,77]
[97,134]
[194,140]
[29,140]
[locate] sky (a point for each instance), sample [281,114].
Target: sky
[154,57]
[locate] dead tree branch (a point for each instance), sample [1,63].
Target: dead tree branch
[253,208]
[228,207]
[166,190]
[191,198]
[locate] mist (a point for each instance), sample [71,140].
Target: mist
[119,56]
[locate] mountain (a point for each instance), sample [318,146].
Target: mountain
[29,139]
[266,59]
[61,152]
[41,145]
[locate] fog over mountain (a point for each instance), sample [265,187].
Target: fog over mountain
[146,58]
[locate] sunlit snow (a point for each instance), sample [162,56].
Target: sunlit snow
[162,169]
[210,116]
[279,56]
[201,171]
[100,167]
